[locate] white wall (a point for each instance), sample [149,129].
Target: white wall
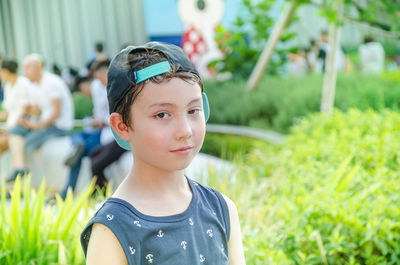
[64,31]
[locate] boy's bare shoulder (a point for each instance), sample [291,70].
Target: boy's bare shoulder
[235,245]
[231,205]
[104,247]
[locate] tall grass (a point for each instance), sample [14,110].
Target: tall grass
[33,232]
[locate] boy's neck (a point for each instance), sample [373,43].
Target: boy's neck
[155,179]
[156,193]
[148,180]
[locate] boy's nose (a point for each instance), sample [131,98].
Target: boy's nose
[183,128]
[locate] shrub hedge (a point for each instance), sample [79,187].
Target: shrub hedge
[329,195]
[229,147]
[280,101]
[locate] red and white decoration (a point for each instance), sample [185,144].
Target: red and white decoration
[200,19]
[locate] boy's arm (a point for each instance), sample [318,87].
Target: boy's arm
[104,247]
[235,246]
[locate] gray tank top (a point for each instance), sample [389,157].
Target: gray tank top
[199,235]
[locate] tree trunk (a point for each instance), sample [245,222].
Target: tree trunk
[329,83]
[270,45]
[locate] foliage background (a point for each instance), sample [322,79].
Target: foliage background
[280,101]
[329,195]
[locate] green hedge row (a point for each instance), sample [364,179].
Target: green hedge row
[279,102]
[329,195]
[229,147]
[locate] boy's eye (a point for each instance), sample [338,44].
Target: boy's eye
[162,115]
[194,111]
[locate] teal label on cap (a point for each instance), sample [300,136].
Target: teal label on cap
[152,70]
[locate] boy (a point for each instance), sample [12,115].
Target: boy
[158,215]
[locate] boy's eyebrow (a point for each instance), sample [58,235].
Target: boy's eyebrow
[170,104]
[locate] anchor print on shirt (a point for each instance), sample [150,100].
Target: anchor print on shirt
[183,244]
[202,258]
[149,258]
[132,250]
[191,221]
[137,223]
[160,233]
[110,217]
[209,233]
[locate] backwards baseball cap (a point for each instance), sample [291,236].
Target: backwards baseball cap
[121,77]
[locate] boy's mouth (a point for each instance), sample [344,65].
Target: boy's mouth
[183,149]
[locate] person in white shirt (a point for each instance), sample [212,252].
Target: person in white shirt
[17,99]
[324,49]
[54,100]
[86,141]
[372,56]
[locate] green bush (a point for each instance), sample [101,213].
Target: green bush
[329,195]
[229,147]
[279,102]
[32,232]
[243,42]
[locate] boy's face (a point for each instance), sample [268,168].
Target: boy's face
[168,124]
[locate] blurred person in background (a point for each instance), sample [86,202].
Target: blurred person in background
[324,48]
[101,158]
[371,55]
[312,56]
[398,54]
[17,99]
[108,151]
[99,55]
[98,132]
[297,64]
[1,86]
[54,109]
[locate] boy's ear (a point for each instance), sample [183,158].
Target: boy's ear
[119,126]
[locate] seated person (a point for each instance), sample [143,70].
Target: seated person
[53,98]
[84,142]
[101,158]
[16,101]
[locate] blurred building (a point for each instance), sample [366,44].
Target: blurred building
[65,31]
